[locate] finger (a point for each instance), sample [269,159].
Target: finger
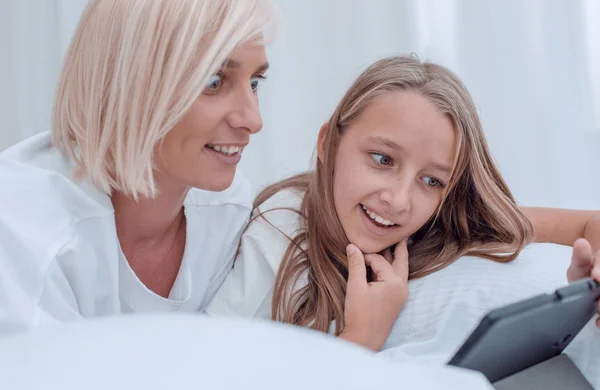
[596,267]
[582,253]
[388,255]
[400,263]
[581,260]
[357,270]
[382,270]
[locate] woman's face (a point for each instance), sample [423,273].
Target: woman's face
[204,148]
[391,169]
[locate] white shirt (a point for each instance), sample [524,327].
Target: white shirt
[60,257]
[248,289]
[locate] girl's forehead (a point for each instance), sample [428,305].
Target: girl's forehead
[407,121]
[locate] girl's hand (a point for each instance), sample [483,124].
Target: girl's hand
[371,308]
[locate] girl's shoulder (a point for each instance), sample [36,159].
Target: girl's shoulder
[281,212]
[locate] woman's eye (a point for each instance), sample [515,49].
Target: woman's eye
[432,182]
[256,81]
[214,83]
[382,159]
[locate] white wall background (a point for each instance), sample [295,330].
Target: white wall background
[533,67]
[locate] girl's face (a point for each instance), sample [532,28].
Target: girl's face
[204,148]
[391,169]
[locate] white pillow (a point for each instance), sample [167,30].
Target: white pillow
[446,306]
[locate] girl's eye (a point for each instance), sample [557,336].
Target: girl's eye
[382,159]
[432,182]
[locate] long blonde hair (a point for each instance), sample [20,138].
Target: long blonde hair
[133,69]
[478,216]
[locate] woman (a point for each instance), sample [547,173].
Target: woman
[132,203]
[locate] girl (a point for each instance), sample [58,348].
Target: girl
[402,165]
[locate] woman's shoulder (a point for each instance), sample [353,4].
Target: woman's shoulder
[40,205]
[35,173]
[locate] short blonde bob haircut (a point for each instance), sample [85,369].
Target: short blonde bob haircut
[133,69]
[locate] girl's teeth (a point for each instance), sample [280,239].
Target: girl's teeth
[377,218]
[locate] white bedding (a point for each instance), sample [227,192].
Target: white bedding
[157,352]
[443,308]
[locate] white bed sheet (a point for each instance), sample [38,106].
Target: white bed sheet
[195,352]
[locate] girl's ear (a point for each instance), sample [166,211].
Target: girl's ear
[321,142]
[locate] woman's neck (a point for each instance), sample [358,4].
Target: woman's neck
[152,235]
[149,221]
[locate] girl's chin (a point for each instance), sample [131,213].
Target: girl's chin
[374,247]
[371,247]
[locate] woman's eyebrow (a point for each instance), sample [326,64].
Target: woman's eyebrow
[234,64]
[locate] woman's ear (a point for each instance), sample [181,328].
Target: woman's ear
[321,142]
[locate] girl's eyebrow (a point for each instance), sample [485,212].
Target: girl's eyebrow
[392,145]
[385,142]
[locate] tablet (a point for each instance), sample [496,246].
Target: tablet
[523,334]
